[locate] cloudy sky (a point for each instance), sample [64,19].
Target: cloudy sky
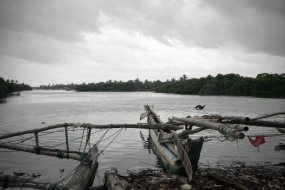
[73,41]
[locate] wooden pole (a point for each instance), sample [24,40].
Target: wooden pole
[112,181]
[211,125]
[45,151]
[29,185]
[260,123]
[184,157]
[84,172]
[269,115]
[93,126]
[236,118]
[37,130]
[23,182]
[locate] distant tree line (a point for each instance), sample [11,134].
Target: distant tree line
[264,85]
[119,86]
[57,86]
[10,86]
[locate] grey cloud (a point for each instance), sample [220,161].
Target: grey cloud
[254,25]
[62,20]
[257,25]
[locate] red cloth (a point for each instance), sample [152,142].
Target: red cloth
[257,141]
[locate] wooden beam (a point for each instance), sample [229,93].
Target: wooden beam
[94,126]
[84,172]
[269,115]
[23,182]
[211,125]
[45,151]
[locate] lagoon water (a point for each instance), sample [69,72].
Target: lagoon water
[35,109]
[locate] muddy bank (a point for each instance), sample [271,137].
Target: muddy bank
[219,178]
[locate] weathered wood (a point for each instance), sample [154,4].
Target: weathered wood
[184,158]
[84,171]
[112,181]
[211,125]
[143,115]
[93,126]
[236,118]
[139,126]
[269,115]
[36,130]
[228,182]
[29,185]
[23,182]
[197,130]
[260,123]
[45,151]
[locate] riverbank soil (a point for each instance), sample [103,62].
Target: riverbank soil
[220,178]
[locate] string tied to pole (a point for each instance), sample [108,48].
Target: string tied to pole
[37,148]
[6,180]
[102,152]
[66,139]
[85,157]
[60,154]
[55,186]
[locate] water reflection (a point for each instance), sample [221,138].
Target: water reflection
[2,101]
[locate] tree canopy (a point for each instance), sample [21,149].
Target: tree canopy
[10,86]
[263,85]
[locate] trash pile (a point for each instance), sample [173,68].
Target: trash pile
[219,178]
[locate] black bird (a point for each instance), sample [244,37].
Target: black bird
[199,107]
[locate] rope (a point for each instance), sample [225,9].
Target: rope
[98,142]
[71,173]
[37,149]
[85,157]
[36,137]
[5,183]
[88,136]
[81,139]
[60,154]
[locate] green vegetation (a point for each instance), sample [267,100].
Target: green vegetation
[119,86]
[264,85]
[8,86]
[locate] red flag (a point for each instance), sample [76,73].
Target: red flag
[257,141]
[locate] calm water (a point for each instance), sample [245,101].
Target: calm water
[127,151]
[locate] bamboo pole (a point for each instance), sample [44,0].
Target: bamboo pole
[211,125]
[29,185]
[45,151]
[23,182]
[269,115]
[260,123]
[93,126]
[236,118]
[36,130]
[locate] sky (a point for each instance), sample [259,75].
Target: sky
[64,42]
